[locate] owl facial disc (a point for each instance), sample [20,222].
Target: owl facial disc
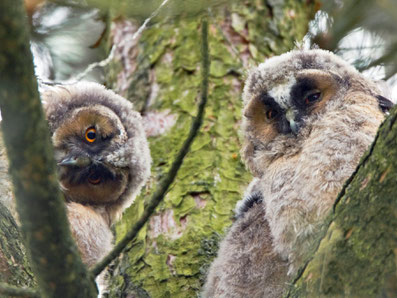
[83,145]
[100,146]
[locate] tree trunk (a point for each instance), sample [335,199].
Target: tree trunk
[161,75]
[14,266]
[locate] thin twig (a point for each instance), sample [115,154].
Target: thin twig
[387,57]
[13,291]
[106,61]
[165,183]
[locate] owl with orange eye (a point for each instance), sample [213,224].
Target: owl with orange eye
[308,118]
[102,158]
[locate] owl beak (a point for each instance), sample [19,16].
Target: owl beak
[290,115]
[80,162]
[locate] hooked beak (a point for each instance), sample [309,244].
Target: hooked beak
[290,115]
[80,162]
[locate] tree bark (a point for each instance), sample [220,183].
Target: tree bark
[161,75]
[14,265]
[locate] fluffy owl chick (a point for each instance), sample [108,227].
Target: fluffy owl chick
[103,159]
[308,118]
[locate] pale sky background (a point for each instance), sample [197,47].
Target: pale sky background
[359,45]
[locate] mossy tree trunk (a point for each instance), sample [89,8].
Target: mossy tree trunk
[172,253]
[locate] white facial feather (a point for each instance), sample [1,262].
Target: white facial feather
[281,93]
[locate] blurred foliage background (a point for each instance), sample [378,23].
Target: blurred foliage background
[361,31]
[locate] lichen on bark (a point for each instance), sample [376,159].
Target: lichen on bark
[171,254]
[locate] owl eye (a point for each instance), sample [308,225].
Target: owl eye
[270,114]
[94,178]
[90,135]
[312,97]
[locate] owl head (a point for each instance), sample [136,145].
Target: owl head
[100,146]
[289,96]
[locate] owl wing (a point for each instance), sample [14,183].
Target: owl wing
[246,265]
[252,196]
[248,202]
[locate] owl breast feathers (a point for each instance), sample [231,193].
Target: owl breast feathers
[102,156]
[308,118]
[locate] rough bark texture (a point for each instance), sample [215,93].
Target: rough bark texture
[357,255]
[14,266]
[53,254]
[172,253]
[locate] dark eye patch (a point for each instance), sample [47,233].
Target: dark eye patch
[300,90]
[271,105]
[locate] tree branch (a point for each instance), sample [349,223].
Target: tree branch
[14,265]
[53,254]
[14,291]
[165,183]
[106,61]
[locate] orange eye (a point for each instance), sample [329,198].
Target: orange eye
[270,114]
[90,135]
[94,178]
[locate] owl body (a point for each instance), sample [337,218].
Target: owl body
[90,231]
[308,118]
[247,265]
[102,160]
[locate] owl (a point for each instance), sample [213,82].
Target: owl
[102,158]
[308,117]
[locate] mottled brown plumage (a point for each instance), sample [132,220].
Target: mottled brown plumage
[308,118]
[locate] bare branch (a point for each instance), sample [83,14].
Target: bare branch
[106,61]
